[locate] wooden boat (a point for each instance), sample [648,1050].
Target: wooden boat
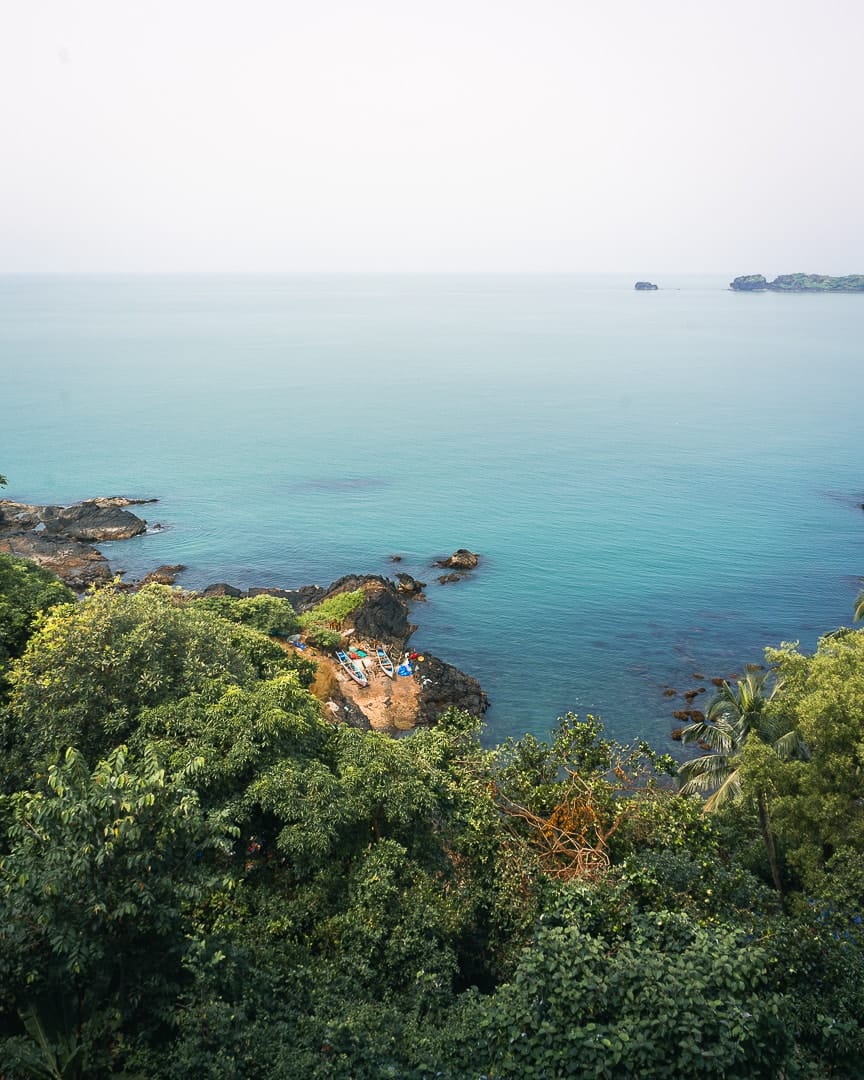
[352,667]
[384,662]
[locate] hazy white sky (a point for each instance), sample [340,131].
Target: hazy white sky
[553,135]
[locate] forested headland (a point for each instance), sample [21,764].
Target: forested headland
[203,876]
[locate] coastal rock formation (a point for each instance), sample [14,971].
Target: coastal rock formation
[410,586]
[91,521]
[163,575]
[383,615]
[646,286]
[798,283]
[461,559]
[60,538]
[77,565]
[443,686]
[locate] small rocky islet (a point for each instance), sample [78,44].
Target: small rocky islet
[62,539]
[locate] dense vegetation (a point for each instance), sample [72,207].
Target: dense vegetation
[201,877]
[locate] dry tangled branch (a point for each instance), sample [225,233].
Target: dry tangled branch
[573,841]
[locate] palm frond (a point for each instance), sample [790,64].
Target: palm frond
[791,746]
[717,737]
[730,789]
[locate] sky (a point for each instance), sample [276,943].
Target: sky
[454,136]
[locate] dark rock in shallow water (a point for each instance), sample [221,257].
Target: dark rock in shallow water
[646,286]
[163,575]
[462,559]
[221,588]
[59,537]
[443,686]
[76,564]
[446,579]
[93,520]
[409,585]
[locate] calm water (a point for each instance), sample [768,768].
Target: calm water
[660,483]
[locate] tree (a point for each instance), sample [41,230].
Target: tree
[91,669]
[734,715]
[819,811]
[661,997]
[96,873]
[26,592]
[859,607]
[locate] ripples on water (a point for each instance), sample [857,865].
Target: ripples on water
[660,483]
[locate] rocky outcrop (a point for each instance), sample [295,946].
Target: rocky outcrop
[798,283]
[59,538]
[443,686]
[410,586]
[163,575]
[90,522]
[462,559]
[383,615]
[646,286]
[78,565]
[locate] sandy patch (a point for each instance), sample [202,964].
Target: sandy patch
[388,704]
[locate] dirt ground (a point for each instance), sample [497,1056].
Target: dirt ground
[389,704]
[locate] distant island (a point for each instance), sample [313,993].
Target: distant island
[798,283]
[645,286]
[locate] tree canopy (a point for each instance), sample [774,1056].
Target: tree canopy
[202,876]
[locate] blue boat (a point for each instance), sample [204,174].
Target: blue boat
[352,667]
[384,662]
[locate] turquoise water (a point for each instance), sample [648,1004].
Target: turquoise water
[659,483]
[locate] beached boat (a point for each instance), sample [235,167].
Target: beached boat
[352,667]
[384,662]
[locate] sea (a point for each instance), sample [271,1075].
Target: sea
[659,484]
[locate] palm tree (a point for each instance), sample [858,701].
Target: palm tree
[733,715]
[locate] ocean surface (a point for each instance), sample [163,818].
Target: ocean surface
[659,484]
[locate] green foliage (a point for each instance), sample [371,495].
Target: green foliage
[90,670]
[658,996]
[271,615]
[26,593]
[96,871]
[335,609]
[321,622]
[818,810]
[734,714]
[238,887]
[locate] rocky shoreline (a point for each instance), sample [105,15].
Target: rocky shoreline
[62,539]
